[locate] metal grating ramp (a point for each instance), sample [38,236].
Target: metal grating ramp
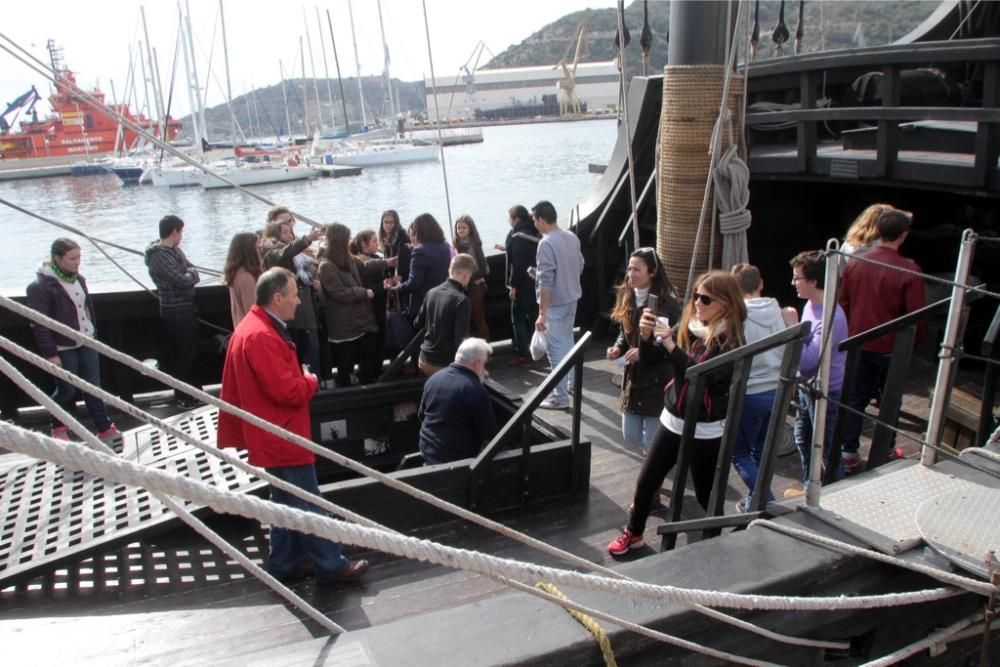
[882,509]
[49,514]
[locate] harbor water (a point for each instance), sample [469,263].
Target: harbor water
[515,164]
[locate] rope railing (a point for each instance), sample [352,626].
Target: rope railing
[184,514]
[75,456]
[321,502]
[334,509]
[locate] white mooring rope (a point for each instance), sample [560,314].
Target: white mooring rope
[337,510]
[73,455]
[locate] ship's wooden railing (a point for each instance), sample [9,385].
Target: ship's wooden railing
[519,425]
[806,77]
[741,359]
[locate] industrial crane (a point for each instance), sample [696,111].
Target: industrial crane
[25,102]
[570,104]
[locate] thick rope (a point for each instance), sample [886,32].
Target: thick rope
[187,517]
[75,456]
[337,510]
[966,583]
[732,194]
[346,462]
[927,642]
[587,622]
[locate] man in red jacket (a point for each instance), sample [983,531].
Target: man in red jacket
[872,295]
[262,375]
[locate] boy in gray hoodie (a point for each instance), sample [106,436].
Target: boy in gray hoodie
[764,317]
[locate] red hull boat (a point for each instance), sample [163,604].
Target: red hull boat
[75,127]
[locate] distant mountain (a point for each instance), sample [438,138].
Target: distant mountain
[829,25]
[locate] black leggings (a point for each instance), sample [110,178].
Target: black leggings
[661,459]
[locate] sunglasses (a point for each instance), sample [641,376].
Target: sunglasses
[650,251]
[705,299]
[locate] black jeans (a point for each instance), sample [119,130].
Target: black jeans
[181,326]
[873,370]
[360,351]
[661,459]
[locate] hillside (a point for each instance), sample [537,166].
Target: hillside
[881,22]
[835,27]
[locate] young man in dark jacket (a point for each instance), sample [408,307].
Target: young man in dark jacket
[521,246]
[175,279]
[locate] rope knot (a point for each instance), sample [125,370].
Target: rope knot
[733,222]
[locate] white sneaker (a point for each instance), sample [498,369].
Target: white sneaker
[553,404]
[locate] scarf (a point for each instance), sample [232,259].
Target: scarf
[700,330]
[640,296]
[64,276]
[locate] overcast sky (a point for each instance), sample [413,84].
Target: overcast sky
[97,35]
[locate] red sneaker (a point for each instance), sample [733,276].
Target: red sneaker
[60,433]
[110,433]
[625,542]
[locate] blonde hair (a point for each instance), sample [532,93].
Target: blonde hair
[864,230]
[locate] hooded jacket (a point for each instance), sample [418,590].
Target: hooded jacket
[763,319]
[173,275]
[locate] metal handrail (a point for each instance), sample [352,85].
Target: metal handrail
[891,326]
[527,409]
[393,370]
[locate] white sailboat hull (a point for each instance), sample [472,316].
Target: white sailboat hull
[377,156]
[182,177]
[256,175]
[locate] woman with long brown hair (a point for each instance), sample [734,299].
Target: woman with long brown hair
[467,241]
[350,320]
[863,232]
[712,324]
[240,273]
[642,383]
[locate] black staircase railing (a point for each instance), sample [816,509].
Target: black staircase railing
[519,424]
[406,353]
[742,359]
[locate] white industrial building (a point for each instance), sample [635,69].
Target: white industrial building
[489,89]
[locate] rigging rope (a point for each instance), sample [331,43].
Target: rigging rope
[437,119]
[589,623]
[225,547]
[45,71]
[109,398]
[76,456]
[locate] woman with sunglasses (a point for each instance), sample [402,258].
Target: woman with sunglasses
[642,383]
[711,325]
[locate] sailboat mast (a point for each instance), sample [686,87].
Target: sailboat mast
[326,69]
[385,66]
[229,87]
[284,99]
[357,64]
[312,67]
[305,90]
[194,73]
[157,100]
[187,80]
[340,80]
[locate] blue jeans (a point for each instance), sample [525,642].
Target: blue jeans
[84,363]
[639,429]
[749,445]
[559,334]
[873,369]
[804,430]
[288,546]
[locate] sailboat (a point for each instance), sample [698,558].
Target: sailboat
[381,147]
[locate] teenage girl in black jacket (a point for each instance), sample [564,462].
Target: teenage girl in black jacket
[711,325]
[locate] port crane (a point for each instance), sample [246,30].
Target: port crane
[569,103]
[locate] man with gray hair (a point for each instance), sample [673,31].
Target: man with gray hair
[455,411]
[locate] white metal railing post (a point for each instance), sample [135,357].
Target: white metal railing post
[946,363]
[817,458]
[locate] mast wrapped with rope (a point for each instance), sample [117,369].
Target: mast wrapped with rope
[691,101]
